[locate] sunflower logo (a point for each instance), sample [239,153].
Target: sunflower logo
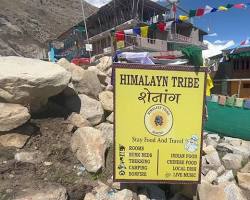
[158,120]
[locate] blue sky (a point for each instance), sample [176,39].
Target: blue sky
[233,24]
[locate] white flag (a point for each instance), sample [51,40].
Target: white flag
[208,9]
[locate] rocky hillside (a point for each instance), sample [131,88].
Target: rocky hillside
[26,25]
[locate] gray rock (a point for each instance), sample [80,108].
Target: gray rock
[110,118]
[108,131]
[12,116]
[212,192]
[109,88]
[245,144]
[246,168]
[244,180]
[101,76]
[101,191]
[13,140]
[78,120]
[106,98]
[225,147]
[232,141]
[232,161]
[30,82]
[104,63]
[30,157]
[124,195]
[49,192]
[213,158]
[226,177]
[89,196]
[89,146]
[89,108]
[88,84]
[75,70]
[233,192]
[220,170]
[212,139]
[241,150]
[211,176]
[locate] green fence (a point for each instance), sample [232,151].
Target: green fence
[228,121]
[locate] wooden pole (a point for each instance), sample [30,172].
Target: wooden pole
[239,88]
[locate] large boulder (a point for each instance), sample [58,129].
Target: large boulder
[106,98]
[30,81]
[211,192]
[226,177]
[225,191]
[75,70]
[78,120]
[88,84]
[244,180]
[89,146]
[12,116]
[108,130]
[104,63]
[232,161]
[89,108]
[212,156]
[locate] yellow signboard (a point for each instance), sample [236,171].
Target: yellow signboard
[158,123]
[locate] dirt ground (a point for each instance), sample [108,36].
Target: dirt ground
[51,137]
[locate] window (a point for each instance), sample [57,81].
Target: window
[246,85]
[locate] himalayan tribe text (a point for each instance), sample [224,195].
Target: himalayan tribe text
[160,81]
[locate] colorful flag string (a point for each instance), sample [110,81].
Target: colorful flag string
[208,9]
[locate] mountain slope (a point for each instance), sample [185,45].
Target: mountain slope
[26,25]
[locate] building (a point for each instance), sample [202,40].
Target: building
[126,14]
[233,75]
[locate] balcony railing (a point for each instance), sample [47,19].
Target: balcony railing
[161,45]
[184,39]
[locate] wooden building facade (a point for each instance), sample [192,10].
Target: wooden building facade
[126,14]
[233,75]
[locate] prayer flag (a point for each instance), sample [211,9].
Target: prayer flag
[144,31]
[229,5]
[183,18]
[208,9]
[240,6]
[137,31]
[168,25]
[245,42]
[129,32]
[200,12]
[192,13]
[222,8]
[161,26]
[214,10]
[119,35]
